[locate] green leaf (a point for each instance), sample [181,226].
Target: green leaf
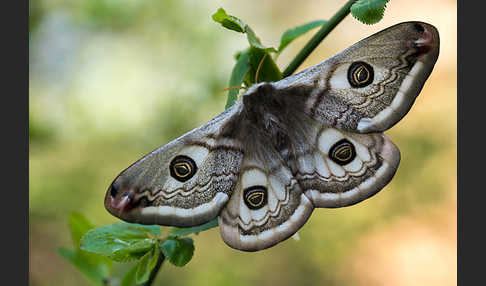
[108,239]
[292,34]
[235,24]
[133,251]
[146,264]
[176,232]
[246,68]
[79,225]
[96,267]
[268,71]
[369,11]
[238,74]
[228,21]
[178,251]
[129,277]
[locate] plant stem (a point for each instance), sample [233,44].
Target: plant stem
[317,39]
[156,269]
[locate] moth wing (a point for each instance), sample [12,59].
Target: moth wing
[267,206]
[371,85]
[147,192]
[344,168]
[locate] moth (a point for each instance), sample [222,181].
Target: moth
[312,140]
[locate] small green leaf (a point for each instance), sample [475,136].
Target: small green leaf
[238,74]
[246,68]
[96,267]
[255,41]
[108,239]
[292,34]
[235,24]
[369,11]
[176,232]
[129,277]
[155,257]
[228,21]
[142,274]
[268,71]
[79,225]
[178,251]
[146,264]
[133,251]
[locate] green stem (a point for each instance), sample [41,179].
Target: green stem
[156,269]
[317,39]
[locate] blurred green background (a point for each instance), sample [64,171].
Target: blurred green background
[111,80]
